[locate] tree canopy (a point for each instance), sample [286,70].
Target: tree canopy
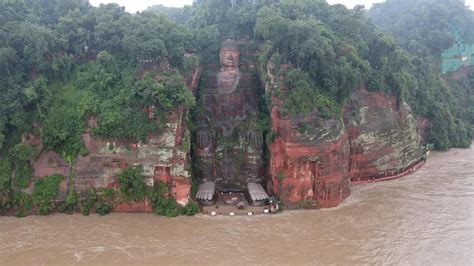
[66,60]
[425,28]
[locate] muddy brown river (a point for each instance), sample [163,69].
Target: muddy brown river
[422,219]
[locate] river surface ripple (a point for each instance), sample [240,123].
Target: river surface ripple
[422,219]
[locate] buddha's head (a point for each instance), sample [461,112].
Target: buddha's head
[229,55]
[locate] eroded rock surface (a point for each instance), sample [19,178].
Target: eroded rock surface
[315,158]
[383,136]
[309,164]
[164,157]
[312,158]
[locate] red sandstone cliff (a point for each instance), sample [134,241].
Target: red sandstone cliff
[383,136]
[162,156]
[309,165]
[374,138]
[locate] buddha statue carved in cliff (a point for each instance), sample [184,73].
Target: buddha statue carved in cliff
[229,144]
[229,75]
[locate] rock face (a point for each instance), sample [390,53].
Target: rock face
[163,156]
[383,136]
[315,159]
[229,144]
[312,158]
[309,163]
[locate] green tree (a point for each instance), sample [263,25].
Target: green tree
[131,183]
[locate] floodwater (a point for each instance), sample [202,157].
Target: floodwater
[422,219]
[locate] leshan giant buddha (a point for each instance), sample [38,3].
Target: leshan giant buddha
[229,154]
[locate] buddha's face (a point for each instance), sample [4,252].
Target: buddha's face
[229,57]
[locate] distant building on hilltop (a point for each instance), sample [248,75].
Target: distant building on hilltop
[457,56]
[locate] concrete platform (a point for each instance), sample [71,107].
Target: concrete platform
[225,210]
[227,204]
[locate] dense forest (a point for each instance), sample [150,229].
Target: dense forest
[63,61]
[424,28]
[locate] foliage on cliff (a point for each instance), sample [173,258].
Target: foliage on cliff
[424,28]
[339,50]
[63,62]
[336,49]
[163,205]
[131,183]
[56,74]
[44,192]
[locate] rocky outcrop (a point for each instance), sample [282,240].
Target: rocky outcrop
[383,136]
[316,159]
[162,157]
[313,159]
[309,163]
